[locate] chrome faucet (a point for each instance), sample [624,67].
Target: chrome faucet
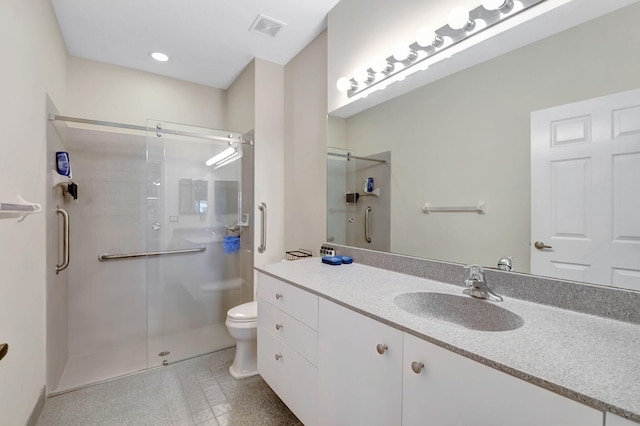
[477,286]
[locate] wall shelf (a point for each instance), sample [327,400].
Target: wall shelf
[19,210]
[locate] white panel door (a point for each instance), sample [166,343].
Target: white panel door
[357,385]
[585,190]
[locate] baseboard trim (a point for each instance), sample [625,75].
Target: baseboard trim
[37,409]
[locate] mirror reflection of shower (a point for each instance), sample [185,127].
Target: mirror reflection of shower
[164,282]
[359,199]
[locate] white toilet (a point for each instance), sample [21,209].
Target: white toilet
[242,323]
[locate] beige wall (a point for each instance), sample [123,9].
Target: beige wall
[111,93]
[241,97]
[269,158]
[465,138]
[256,102]
[33,65]
[305,150]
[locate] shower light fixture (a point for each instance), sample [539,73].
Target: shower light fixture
[222,156]
[430,46]
[159,56]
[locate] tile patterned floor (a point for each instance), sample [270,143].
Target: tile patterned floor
[199,391]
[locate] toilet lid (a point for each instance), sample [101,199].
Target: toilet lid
[244,313]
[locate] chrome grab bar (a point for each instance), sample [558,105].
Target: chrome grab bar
[65,240]
[263,228]
[105,257]
[367,224]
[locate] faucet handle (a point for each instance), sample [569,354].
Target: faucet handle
[475,272]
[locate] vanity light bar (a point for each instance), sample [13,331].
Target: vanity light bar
[432,44]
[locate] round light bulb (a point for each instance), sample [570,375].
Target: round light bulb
[159,56]
[458,18]
[379,64]
[494,4]
[401,52]
[426,36]
[361,75]
[344,84]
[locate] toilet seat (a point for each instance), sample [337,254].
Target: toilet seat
[247,312]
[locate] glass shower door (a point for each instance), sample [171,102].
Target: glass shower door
[194,227]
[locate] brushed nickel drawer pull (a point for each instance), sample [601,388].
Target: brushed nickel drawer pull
[382,348]
[417,367]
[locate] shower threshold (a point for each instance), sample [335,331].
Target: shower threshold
[89,369]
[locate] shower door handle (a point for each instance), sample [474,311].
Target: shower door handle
[263,228]
[367,224]
[65,240]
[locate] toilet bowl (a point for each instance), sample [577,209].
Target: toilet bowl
[242,323]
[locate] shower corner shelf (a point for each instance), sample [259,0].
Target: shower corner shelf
[375,193]
[19,210]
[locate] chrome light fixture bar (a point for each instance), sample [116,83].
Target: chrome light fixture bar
[462,24]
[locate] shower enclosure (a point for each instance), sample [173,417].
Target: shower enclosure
[151,274]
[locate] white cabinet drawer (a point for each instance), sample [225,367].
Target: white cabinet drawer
[300,337]
[298,303]
[292,377]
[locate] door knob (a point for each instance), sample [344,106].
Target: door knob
[382,348]
[540,245]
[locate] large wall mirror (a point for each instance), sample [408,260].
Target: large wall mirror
[466,138]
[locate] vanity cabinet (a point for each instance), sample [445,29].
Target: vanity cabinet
[334,366]
[360,362]
[443,388]
[288,344]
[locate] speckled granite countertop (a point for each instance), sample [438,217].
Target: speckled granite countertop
[592,360]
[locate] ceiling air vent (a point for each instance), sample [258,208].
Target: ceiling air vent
[266,26]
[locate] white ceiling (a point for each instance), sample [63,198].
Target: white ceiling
[208,41]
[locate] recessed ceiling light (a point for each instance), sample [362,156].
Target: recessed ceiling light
[159,56]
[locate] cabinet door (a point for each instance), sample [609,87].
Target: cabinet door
[454,390]
[357,384]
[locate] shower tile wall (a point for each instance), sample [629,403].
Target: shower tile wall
[107,305]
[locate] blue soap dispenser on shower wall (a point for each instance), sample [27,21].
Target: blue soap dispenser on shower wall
[63,176]
[63,165]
